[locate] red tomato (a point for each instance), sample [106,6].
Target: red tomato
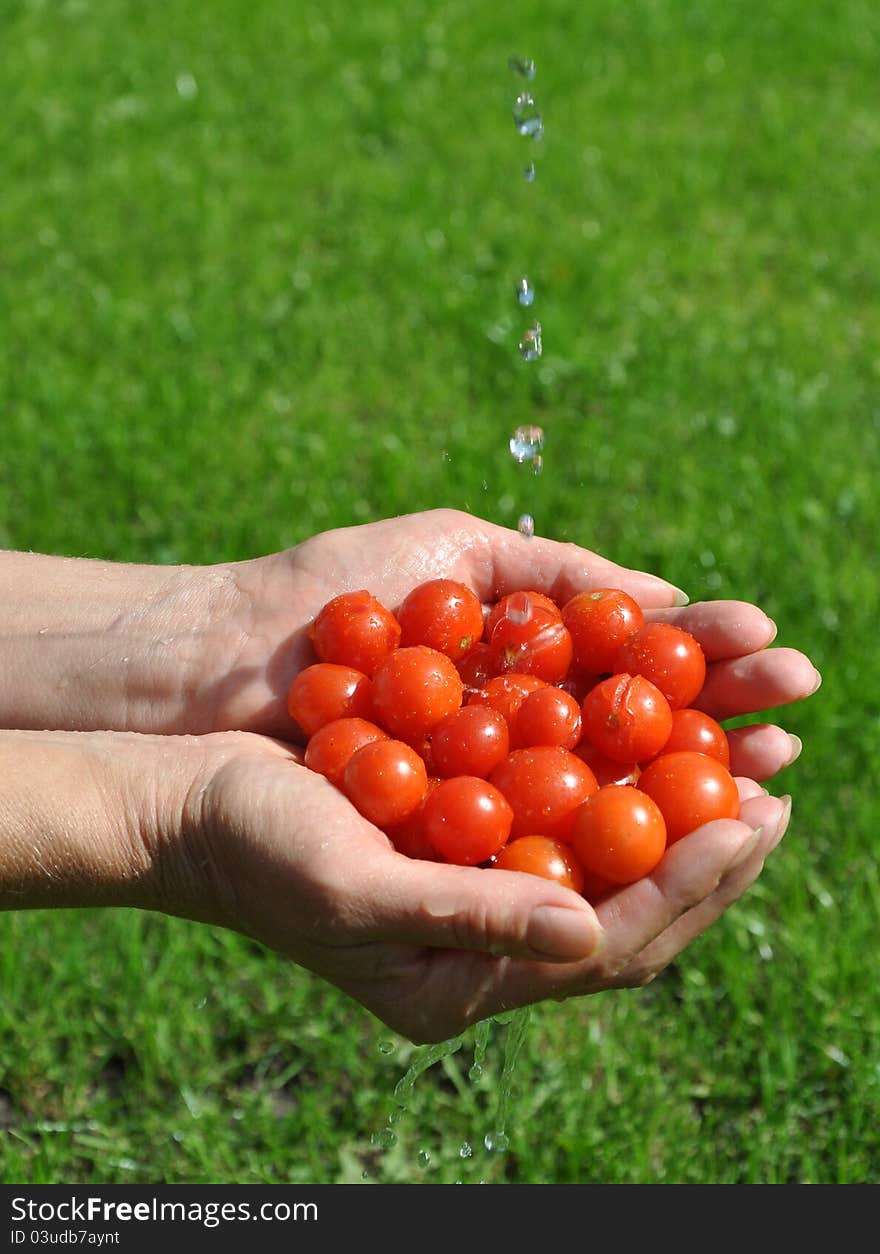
[414,689]
[606,770]
[627,718]
[548,716]
[599,622]
[544,785]
[619,834]
[470,741]
[385,781]
[444,615]
[324,692]
[520,606]
[409,837]
[690,789]
[506,693]
[538,855]
[476,668]
[694,730]
[355,629]
[539,646]
[467,820]
[671,658]
[333,745]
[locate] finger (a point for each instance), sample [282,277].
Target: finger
[761,750]
[560,570]
[694,922]
[759,681]
[748,788]
[725,629]
[493,911]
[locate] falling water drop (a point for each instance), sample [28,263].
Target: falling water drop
[384,1139]
[522,65]
[466,1150]
[496,1142]
[423,1158]
[526,526]
[529,172]
[526,116]
[526,443]
[525,293]
[386,1047]
[531,345]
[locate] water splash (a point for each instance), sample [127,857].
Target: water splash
[527,117]
[524,66]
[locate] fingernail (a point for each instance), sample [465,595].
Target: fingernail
[746,849]
[818,684]
[681,598]
[783,822]
[774,630]
[555,932]
[796,746]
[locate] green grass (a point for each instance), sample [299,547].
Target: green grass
[232,317]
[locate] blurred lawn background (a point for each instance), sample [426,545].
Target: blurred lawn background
[257,270]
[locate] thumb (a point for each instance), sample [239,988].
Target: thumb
[499,912]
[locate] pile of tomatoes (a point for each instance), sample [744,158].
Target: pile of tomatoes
[558,739]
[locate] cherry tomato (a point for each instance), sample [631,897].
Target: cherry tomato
[506,693]
[324,692]
[470,741]
[467,820]
[333,745]
[539,646]
[619,834]
[538,855]
[606,770]
[627,718]
[443,614]
[671,658]
[544,785]
[692,729]
[690,789]
[409,837]
[520,606]
[385,781]
[548,716]
[599,622]
[355,629]
[476,668]
[414,689]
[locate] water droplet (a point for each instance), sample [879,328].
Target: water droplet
[519,607]
[466,1150]
[526,443]
[496,1142]
[529,172]
[423,1158]
[527,119]
[187,87]
[531,345]
[397,1115]
[475,1072]
[526,526]
[386,1047]
[384,1139]
[537,464]
[522,65]
[525,293]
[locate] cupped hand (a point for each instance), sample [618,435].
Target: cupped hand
[274,851]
